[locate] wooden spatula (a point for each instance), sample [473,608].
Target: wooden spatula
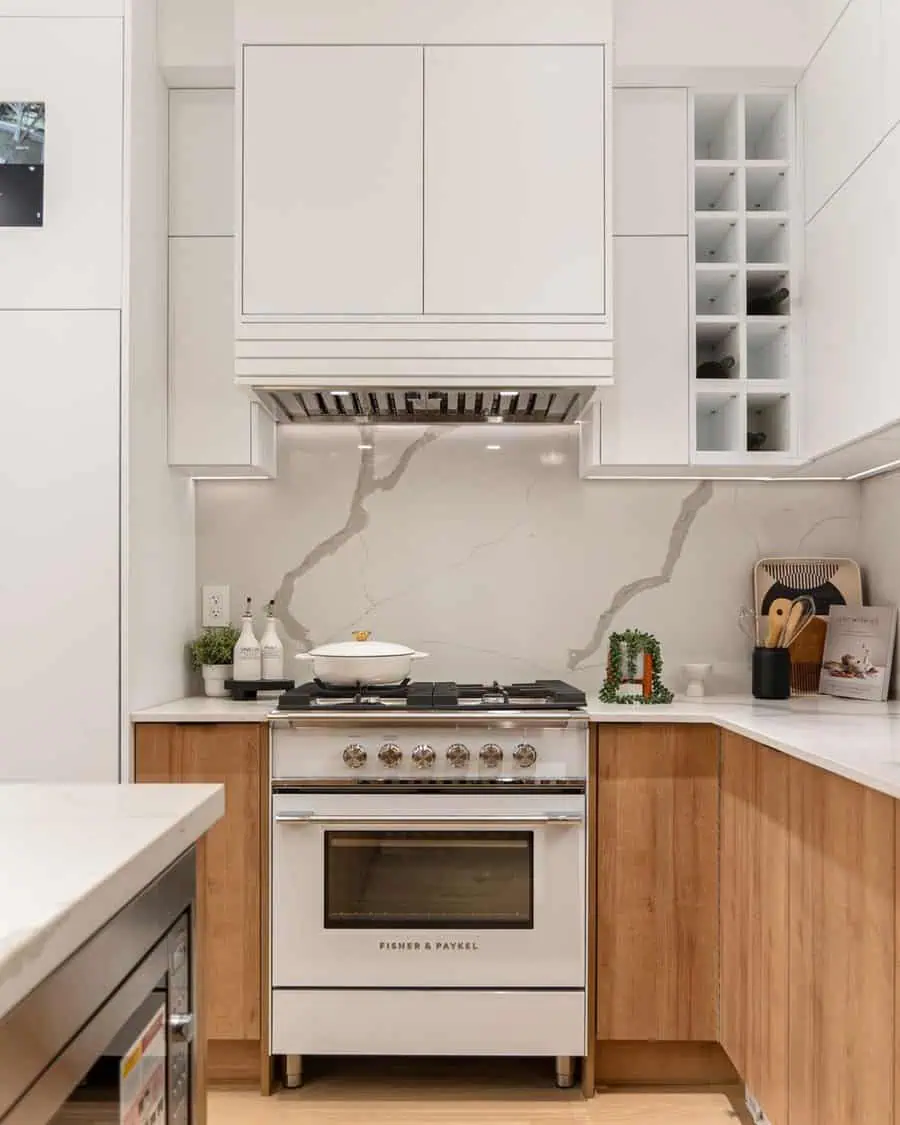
[779,612]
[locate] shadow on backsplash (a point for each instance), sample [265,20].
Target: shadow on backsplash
[487,551]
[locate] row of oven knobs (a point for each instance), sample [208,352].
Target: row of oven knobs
[424,756]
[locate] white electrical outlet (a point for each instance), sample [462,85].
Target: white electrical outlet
[216,602]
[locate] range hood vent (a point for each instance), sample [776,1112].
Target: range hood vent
[430,406]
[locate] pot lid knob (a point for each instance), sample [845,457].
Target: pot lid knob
[362,635]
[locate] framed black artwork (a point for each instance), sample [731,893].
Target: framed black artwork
[22,136]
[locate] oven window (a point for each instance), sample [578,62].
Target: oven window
[423,880]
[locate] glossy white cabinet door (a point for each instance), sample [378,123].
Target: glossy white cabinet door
[515,180]
[842,99]
[646,416]
[75,66]
[650,170]
[60,569]
[332,182]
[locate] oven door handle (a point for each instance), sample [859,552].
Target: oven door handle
[540,821]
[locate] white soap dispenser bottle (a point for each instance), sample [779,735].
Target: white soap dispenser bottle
[272,648]
[247,653]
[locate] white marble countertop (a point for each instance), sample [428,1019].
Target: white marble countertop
[203,709]
[859,741]
[71,856]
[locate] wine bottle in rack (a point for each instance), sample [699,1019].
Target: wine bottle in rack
[767,304]
[716,368]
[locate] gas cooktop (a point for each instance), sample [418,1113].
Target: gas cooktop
[540,695]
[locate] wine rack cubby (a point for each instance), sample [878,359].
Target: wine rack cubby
[744,296]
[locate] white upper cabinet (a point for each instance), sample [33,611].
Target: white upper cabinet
[842,96]
[424,193]
[514,181]
[74,66]
[332,154]
[650,169]
[201,163]
[215,429]
[890,15]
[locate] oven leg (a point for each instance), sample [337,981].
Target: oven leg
[565,1072]
[293,1071]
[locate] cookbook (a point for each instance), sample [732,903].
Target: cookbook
[859,651]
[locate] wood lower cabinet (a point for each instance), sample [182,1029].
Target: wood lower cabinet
[230,871]
[754,902]
[657,882]
[842,951]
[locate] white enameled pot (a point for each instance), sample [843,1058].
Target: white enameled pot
[361,661]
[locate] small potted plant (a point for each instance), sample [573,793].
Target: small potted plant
[212,653]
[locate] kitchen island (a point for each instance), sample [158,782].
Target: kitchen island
[94,881]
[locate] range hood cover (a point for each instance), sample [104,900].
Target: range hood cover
[553,405]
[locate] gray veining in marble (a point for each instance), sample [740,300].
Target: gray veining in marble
[367,484]
[700,495]
[482,547]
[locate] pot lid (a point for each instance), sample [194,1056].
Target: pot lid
[361,645]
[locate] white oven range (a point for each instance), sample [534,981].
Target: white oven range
[429,885]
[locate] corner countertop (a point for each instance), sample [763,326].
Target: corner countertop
[859,741]
[71,856]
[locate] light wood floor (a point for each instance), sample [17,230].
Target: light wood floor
[395,1092]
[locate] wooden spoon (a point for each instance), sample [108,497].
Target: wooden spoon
[779,611]
[803,610]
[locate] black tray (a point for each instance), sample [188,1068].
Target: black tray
[244,690]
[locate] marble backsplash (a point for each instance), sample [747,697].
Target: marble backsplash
[881,547]
[487,551]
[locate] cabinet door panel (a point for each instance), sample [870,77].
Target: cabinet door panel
[332,185]
[646,415]
[60,504]
[74,261]
[515,180]
[842,96]
[657,889]
[650,143]
[201,163]
[229,879]
[842,951]
[754,923]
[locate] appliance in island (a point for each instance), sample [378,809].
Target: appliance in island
[109,1036]
[429,872]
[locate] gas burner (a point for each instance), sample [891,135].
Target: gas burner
[410,696]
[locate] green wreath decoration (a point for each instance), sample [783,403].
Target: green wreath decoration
[624,650]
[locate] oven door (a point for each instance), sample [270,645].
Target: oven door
[421,890]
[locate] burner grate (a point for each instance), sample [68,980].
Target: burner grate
[427,696]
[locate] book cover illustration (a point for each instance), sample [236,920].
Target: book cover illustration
[859,649]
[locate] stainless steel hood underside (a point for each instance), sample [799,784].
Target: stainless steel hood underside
[430,406]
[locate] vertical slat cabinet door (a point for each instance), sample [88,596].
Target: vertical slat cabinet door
[842,953]
[657,885]
[332,180]
[515,181]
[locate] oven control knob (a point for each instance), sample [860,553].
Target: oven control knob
[354,756]
[491,755]
[458,755]
[525,755]
[390,754]
[423,756]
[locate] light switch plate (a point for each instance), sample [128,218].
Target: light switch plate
[216,603]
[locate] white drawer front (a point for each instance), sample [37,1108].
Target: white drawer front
[430,1022]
